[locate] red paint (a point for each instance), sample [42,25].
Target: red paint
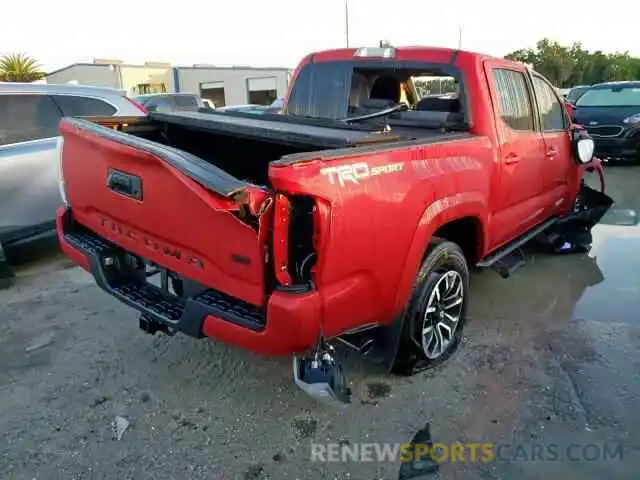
[293,323]
[281,240]
[370,237]
[68,250]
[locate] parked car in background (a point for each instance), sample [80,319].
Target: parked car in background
[29,117]
[575,92]
[611,114]
[275,107]
[255,109]
[170,102]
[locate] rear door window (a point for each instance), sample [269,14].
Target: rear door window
[514,100]
[27,117]
[321,90]
[75,106]
[552,113]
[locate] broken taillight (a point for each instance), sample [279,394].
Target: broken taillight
[281,221]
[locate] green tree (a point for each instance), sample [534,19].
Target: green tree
[19,67]
[573,65]
[550,59]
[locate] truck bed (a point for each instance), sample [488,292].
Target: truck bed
[279,129]
[224,151]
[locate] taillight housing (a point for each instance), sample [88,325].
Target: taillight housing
[281,220]
[139,106]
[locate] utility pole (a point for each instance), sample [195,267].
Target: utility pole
[346,20]
[459,37]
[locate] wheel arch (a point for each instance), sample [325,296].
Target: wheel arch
[460,219]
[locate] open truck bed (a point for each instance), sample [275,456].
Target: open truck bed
[224,151]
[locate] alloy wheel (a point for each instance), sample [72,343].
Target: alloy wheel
[442,314]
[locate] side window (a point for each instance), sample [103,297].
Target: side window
[552,112]
[161,104]
[27,117]
[185,101]
[514,100]
[73,106]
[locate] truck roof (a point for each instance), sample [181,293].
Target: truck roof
[407,53]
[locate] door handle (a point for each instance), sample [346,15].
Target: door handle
[125,184]
[511,158]
[552,152]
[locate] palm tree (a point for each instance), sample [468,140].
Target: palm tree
[19,67]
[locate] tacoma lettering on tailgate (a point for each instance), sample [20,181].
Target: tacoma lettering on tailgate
[151,243]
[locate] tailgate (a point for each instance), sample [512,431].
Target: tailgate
[168,206]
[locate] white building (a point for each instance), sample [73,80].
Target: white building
[234,85]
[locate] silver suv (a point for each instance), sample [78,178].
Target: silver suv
[29,118]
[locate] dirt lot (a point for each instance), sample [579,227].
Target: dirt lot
[550,357]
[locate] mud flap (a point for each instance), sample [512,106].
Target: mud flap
[572,232]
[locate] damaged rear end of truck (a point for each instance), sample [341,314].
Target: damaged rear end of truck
[202,223]
[220,244]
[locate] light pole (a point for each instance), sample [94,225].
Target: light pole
[346,21]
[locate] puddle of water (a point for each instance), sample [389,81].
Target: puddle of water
[616,252]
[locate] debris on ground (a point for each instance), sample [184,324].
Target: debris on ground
[119,426]
[40,341]
[419,466]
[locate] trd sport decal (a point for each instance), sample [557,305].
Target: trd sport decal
[356,172]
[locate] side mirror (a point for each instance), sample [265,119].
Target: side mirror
[583,146]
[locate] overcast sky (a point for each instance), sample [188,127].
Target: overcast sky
[280,32]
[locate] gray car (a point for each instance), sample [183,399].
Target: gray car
[170,102]
[29,117]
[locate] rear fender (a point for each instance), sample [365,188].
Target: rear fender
[437,214]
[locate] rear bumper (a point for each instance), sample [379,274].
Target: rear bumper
[618,148]
[288,324]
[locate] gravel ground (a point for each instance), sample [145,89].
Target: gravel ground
[550,358]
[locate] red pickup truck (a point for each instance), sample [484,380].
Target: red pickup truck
[353,216]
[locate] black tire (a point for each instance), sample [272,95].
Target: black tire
[443,258]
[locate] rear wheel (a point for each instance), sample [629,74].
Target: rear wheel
[437,310]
